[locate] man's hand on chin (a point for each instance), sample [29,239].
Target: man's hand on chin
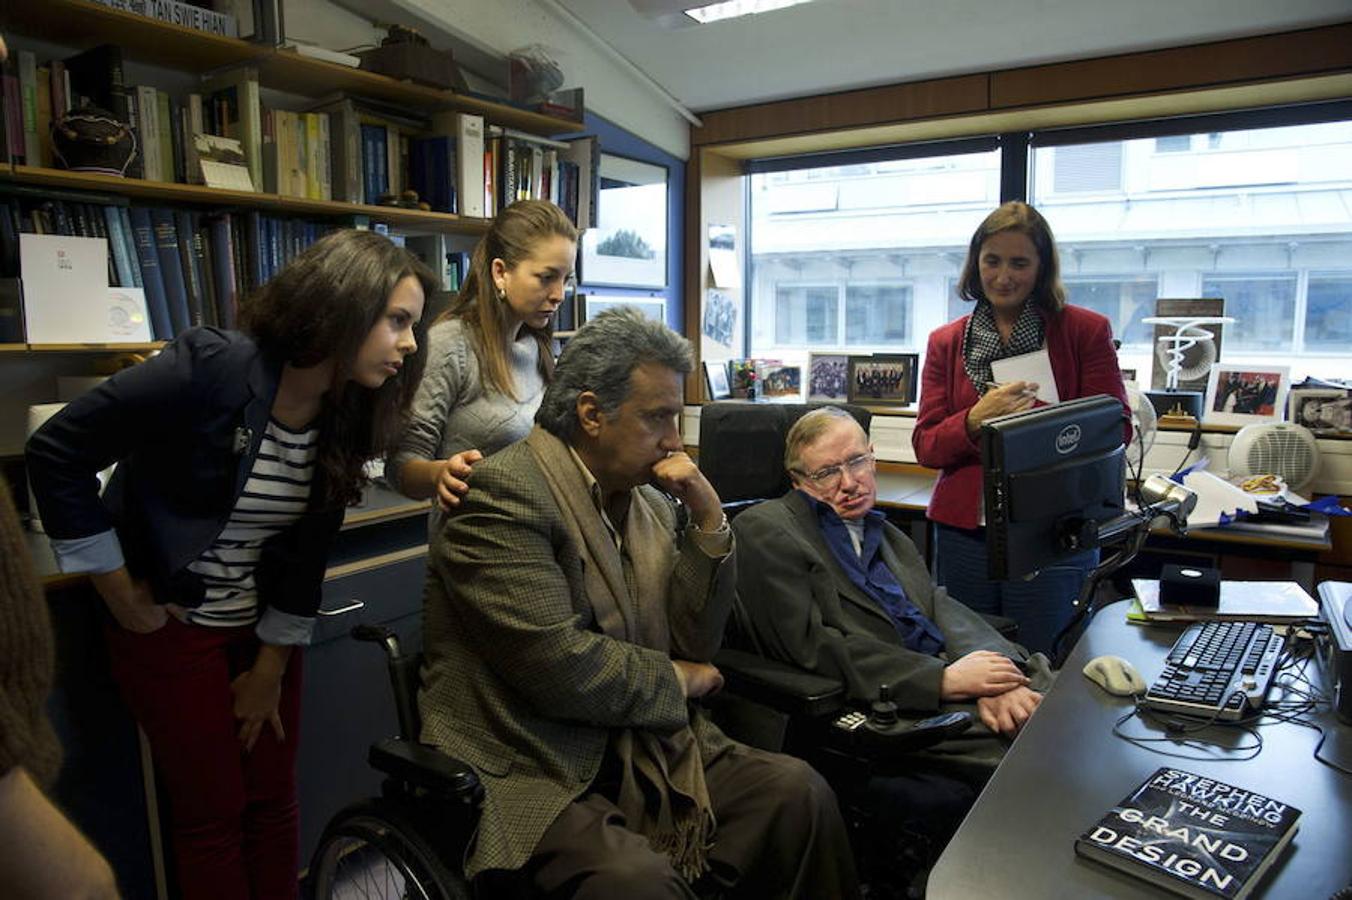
[678,475]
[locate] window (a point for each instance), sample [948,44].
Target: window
[861,255]
[1264,309]
[1125,301]
[860,252]
[878,314]
[1328,313]
[1250,215]
[1087,168]
[806,316]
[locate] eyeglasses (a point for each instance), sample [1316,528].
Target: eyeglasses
[828,477]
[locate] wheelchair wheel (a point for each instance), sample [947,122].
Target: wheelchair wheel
[375,850]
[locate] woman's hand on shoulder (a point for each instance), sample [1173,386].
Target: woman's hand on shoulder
[1016,396]
[452,482]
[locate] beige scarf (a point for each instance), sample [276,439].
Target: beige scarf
[662,789]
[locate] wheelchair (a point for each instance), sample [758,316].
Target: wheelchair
[406,843]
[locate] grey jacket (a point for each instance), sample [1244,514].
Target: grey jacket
[519,682]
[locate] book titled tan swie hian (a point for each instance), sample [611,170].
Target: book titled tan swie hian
[184,14]
[1192,835]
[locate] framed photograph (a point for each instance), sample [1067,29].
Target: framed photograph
[589,305]
[780,383]
[629,246]
[828,377]
[1322,410]
[716,379]
[883,379]
[1241,394]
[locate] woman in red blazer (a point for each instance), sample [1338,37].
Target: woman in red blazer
[1012,274]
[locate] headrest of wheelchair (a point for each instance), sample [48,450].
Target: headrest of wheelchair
[741,446]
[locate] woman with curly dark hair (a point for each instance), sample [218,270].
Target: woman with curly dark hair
[236,453]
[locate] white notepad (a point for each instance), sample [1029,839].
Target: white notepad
[1035,367]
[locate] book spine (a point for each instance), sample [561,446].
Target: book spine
[118,248]
[165,123]
[312,154]
[192,274]
[324,157]
[129,243]
[44,117]
[251,129]
[202,261]
[147,125]
[374,162]
[193,125]
[175,119]
[157,302]
[223,269]
[59,88]
[28,89]
[346,146]
[469,152]
[179,13]
[171,268]
[14,119]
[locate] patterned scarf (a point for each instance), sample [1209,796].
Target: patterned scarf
[662,790]
[981,343]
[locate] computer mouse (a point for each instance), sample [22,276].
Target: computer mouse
[1115,675]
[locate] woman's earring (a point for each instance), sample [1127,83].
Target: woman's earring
[502,294]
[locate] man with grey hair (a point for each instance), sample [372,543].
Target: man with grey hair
[570,618]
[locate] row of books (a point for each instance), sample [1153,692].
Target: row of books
[340,147]
[193,266]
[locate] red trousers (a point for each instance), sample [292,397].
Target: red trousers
[234,814]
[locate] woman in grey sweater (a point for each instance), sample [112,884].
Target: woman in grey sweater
[489,356]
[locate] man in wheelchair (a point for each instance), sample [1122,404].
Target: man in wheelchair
[571,614]
[827,584]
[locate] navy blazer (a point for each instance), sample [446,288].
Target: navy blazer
[185,427]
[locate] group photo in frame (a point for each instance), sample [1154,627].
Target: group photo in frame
[1243,393]
[828,378]
[1322,410]
[630,250]
[883,379]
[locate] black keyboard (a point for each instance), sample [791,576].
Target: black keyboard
[1220,670]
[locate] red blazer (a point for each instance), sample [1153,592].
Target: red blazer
[1084,363]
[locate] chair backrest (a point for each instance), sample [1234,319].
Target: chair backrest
[741,446]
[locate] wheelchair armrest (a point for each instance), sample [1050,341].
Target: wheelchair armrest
[427,767]
[779,685]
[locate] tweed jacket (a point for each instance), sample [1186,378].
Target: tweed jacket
[519,681]
[804,609]
[1084,363]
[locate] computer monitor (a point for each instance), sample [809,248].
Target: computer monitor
[1052,476]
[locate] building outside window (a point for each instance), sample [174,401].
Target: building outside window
[864,257]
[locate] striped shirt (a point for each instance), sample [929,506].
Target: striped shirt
[275,496]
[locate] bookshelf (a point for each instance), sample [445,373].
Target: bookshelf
[82,24]
[199,195]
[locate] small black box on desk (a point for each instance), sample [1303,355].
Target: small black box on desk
[1189,585]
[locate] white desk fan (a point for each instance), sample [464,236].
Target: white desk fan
[1277,448]
[1143,420]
